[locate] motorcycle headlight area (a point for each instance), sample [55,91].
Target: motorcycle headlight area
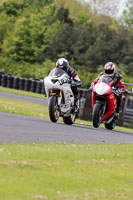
[101,88]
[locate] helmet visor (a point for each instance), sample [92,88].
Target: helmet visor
[109,71]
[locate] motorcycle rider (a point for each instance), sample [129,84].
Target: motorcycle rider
[62,63]
[118,84]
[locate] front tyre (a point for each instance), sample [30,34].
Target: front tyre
[70,120]
[53,109]
[96,116]
[110,125]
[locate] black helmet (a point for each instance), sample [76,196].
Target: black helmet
[62,63]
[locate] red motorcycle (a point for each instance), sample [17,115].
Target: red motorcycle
[104,103]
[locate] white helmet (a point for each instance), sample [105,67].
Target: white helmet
[109,68]
[62,63]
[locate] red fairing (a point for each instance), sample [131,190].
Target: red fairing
[93,100]
[108,95]
[112,103]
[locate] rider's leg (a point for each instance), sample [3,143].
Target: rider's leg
[120,101]
[76,97]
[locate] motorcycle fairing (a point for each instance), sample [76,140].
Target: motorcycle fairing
[102,91]
[112,103]
[58,84]
[101,88]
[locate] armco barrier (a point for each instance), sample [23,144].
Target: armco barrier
[85,112]
[128,117]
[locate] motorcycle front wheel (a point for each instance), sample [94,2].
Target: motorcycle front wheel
[70,120]
[96,116]
[53,109]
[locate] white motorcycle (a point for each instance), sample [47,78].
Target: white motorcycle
[60,96]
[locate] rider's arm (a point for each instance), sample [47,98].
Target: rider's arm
[95,81]
[118,81]
[121,86]
[72,73]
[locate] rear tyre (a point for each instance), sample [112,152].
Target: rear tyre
[96,116]
[53,109]
[110,125]
[70,120]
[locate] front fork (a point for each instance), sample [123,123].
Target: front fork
[104,108]
[58,96]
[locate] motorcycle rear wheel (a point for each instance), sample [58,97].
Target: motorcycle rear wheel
[96,116]
[110,125]
[53,109]
[70,120]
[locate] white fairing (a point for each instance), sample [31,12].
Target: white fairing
[61,83]
[101,88]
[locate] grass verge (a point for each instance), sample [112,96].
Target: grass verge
[23,108]
[66,171]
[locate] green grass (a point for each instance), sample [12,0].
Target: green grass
[23,108]
[53,171]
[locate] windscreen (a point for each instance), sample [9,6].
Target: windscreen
[105,79]
[56,72]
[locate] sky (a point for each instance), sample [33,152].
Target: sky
[117,5]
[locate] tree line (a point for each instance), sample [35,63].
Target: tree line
[35,33]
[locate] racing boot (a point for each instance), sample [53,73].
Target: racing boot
[116,115]
[118,111]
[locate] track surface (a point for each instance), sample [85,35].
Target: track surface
[23,98]
[18,128]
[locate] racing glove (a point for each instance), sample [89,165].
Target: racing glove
[119,91]
[75,83]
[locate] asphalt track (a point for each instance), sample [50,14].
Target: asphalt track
[23,98]
[18,128]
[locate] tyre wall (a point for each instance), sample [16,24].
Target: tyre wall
[20,83]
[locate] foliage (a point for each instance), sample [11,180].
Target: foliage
[35,33]
[128,14]
[47,66]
